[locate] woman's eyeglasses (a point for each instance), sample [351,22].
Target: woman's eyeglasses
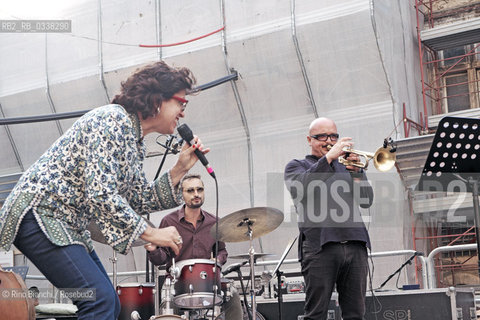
[183,102]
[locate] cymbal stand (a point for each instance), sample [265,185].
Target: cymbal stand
[113,260]
[251,252]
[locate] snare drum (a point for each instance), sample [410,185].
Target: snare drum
[136,297]
[195,284]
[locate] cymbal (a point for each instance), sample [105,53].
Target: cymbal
[98,236]
[234,227]
[246,256]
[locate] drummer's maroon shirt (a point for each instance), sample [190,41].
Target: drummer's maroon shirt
[197,242]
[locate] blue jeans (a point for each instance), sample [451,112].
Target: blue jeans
[69,267]
[342,264]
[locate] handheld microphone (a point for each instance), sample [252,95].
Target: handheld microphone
[187,135]
[234,267]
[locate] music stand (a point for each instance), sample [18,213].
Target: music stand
[278,273]
[452,164]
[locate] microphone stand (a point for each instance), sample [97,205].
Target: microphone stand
[167,146]
[409,261]
[279,293]
[279,273]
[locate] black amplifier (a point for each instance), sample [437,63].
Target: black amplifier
[439,304]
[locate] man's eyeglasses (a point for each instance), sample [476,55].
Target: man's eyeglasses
[324,136]
[192,190]
[183,102]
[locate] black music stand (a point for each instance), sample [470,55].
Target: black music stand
[452,164]
[279,273]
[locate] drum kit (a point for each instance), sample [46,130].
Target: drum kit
[195,286]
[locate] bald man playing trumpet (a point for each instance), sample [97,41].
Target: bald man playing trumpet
[333,240]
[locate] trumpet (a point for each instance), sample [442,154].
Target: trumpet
[383,159]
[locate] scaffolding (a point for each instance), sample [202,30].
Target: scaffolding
[449,41]
[448,34]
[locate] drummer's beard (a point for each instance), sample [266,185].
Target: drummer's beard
[195,205]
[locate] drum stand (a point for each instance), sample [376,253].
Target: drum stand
[167,312]
[168,298]
[156,303]
[113,260]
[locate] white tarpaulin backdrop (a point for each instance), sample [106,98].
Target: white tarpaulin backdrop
[356,57]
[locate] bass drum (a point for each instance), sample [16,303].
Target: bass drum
[15,308]
[167,317]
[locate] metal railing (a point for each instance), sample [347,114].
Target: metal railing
[428,264]
[372,255]
[431,264]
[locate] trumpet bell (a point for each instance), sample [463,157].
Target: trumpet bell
[383,159]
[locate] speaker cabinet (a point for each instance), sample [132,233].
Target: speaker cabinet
[439,304]
[292,307]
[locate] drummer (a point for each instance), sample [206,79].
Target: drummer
[194,226]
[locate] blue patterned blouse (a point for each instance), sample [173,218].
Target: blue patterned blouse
[94,172]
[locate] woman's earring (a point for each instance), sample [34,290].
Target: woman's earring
[158,110]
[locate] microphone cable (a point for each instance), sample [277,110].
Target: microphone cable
[216,248]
